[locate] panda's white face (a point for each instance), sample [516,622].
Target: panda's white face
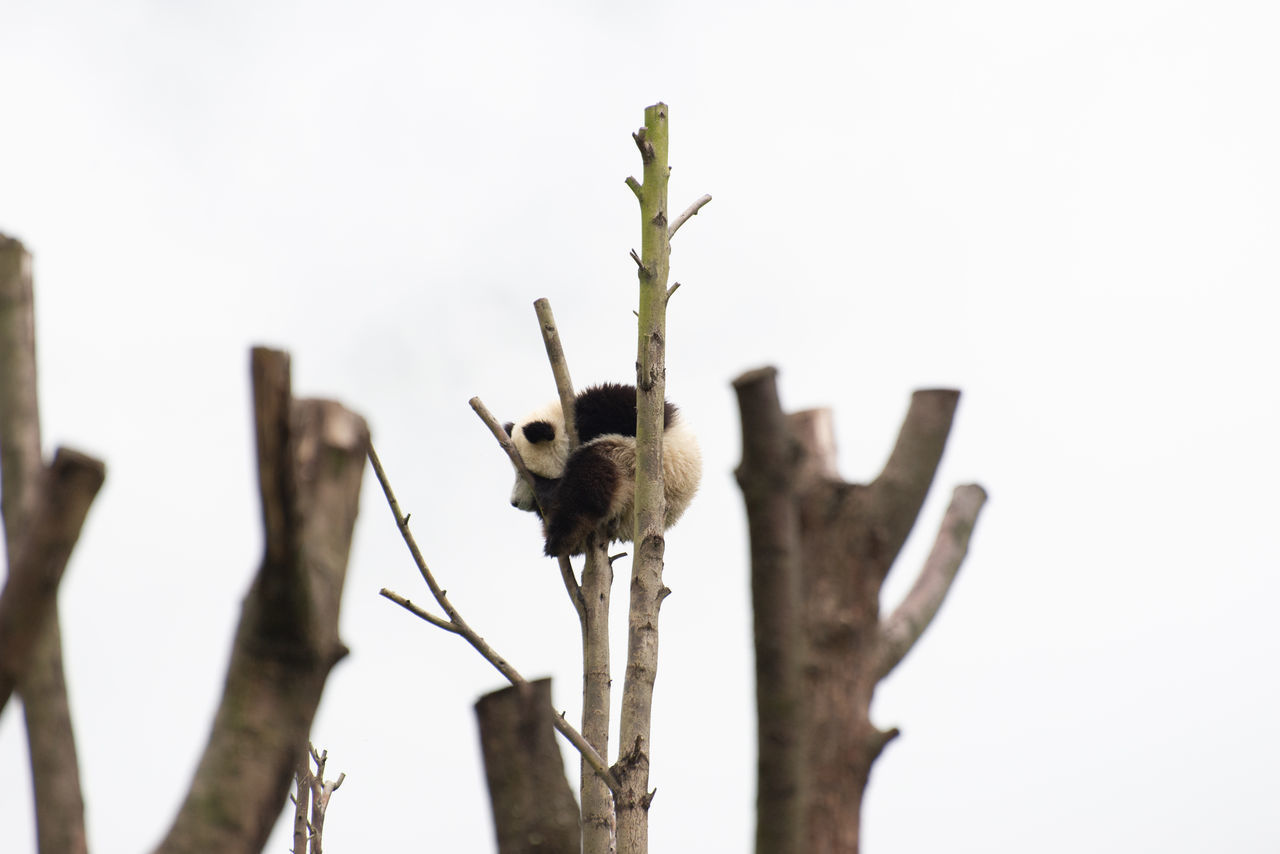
[544,447]
[522,495]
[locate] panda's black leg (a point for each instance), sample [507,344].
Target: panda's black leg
[582,500]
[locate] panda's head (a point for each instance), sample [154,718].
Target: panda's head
[544,447]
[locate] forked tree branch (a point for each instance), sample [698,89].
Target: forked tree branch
[456,624]
[321,791]
[838,539]
[66,490]
[55,770]
[311,460]
[314,792]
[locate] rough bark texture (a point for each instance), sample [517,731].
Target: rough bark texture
[821,549]
[647,590]
[310,461]
[65,491]
[533,807]
[767,476]
[55,770]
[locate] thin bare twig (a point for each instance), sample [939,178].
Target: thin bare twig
[315,790]
[438,622]
[460,627]
[688,212]
[572,587]
[301,827]
[500,433]
[559,367]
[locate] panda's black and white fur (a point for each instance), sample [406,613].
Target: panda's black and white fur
[592,490]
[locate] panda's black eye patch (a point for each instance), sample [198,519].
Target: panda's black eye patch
[509,426]
[539,431]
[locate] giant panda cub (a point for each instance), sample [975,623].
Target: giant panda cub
[593,489]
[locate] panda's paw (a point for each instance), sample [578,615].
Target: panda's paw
[556,544]
[565,536]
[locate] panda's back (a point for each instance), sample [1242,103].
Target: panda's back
[610,409]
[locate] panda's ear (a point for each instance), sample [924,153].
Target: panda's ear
[536,432]
[509,426]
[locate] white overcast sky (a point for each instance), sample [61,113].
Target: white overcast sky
[1068,210]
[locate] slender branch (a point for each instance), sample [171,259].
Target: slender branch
[460,626]
[688,212]
[572,587]
[301,827]
[634,185]
[559,367]
[403,602]
[899,633]
[597,763]
[504,440]
[513,453]
[568,407]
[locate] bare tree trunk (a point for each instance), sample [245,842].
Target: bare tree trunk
[767,476]
[310,463]
[533,807]
[55,770]
[833,542]
[598,827]
[647,589]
